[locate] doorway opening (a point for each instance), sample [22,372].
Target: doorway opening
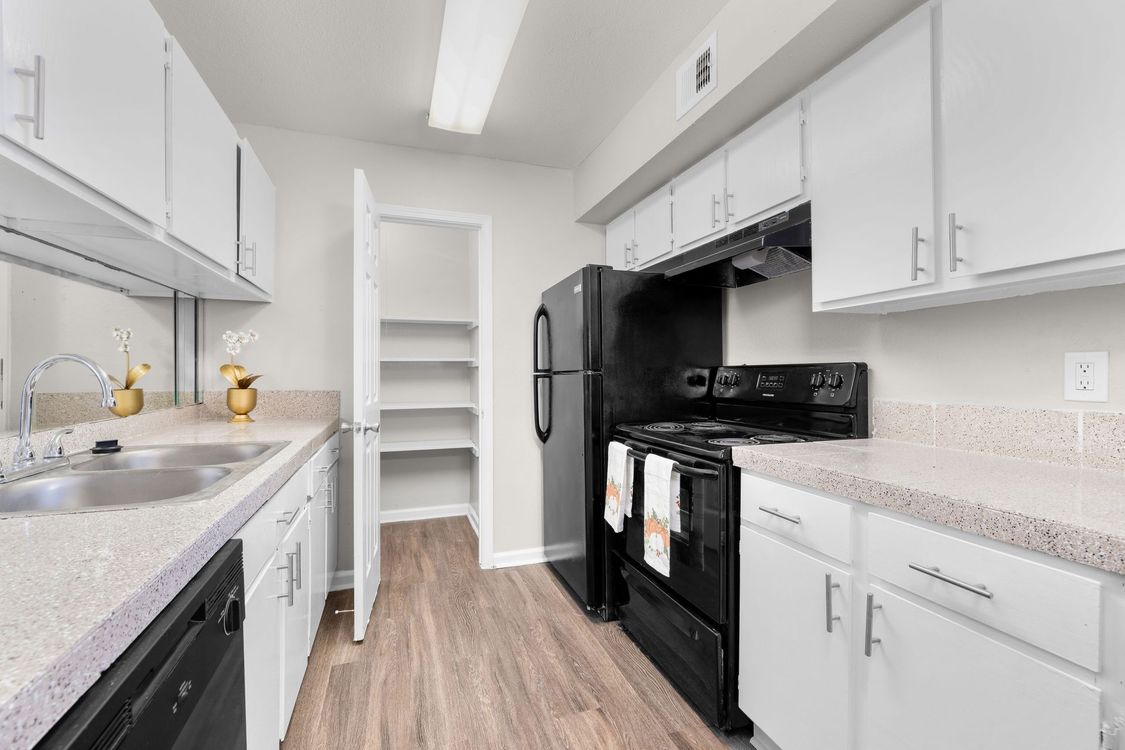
[435,368]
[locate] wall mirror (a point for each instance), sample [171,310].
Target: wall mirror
[45,311]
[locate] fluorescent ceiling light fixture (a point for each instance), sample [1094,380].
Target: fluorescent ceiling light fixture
[476,38]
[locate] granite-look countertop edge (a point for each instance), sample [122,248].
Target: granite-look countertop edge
[1098,546]
[36,706]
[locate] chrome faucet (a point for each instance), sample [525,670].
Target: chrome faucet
[24,458]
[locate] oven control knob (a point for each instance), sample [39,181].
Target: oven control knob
[835,380]
[724,379]
[735,379]
[817,380]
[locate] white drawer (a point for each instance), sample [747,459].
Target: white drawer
[1055,610]
[814,521]
[262,533]
[322,462]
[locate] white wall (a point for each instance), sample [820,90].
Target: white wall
[306,331]
[1008,352]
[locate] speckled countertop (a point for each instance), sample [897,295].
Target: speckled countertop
[1073,513]
[76,589]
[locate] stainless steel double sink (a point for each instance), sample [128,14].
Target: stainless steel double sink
[141,475]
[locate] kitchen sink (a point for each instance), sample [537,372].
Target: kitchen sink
[172,456]
[64,490]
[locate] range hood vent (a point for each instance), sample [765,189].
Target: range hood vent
[773,247]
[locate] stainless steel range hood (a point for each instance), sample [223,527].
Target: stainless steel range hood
[777,246]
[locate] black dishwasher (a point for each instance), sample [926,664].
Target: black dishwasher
[180,685]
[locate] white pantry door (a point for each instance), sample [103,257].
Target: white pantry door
[365,404]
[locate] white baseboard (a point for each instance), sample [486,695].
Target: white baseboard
[529,556]
[341,580]
[474,520]
[421,514]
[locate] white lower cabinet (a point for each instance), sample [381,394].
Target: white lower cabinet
[794,641]
[941,641]
[286,546]
[932,684]
[262,642]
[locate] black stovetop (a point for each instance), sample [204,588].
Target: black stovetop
[712,438]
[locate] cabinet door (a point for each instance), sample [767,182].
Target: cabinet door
[932,684]
[294,550]
[262,640]
[203,150]
[790,645]
[96,108]
[619,241]
[764,167]
[318,541]
[871,156]
[332,524]
[1032,101]
[698,201]
[256,220]
[653,227]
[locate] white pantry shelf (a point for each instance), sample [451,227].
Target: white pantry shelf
[422,446]
[429,360]
[431,322]
[431,405]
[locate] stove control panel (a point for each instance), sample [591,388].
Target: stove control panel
[837,384]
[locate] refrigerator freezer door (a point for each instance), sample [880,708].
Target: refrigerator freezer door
[573,534]
[572,327]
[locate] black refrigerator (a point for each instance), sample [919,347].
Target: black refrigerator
[609,347]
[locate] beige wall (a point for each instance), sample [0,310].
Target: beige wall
[1007,352]
[306,331]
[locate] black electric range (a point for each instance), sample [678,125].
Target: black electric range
[687,622]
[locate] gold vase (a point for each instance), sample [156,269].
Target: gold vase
[130,401]
[241,401]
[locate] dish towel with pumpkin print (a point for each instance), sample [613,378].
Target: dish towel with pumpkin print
[658,513]
[618,485]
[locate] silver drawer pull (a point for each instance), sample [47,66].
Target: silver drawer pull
[979,589]
[829,618]
[288,568]
[779,514]
[868,639]
[39,75]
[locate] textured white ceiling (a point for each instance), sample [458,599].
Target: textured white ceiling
[364,68]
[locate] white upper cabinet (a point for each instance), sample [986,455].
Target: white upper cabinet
[256,220]
[653,228]
[1032,105]
[698,201]
[84,88]
[619,241]
[871,151]
[203,155]
[764,166]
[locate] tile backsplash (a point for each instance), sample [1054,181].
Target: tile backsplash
[1089,439]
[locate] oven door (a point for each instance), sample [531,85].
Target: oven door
[700,563]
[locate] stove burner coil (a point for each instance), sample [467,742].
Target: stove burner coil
[779,438]
[664,427]
[733,441]
[706,426]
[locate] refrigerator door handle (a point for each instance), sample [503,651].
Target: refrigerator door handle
[543,431]
[540,314]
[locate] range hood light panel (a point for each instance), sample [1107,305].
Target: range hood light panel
[476,39]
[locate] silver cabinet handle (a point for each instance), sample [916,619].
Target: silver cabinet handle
[829,618]
[297,570]
[628,260]
[288,567]
[330,502]
[39,75]
[287,517]
[779,514]
[915,269]
[954,258]
[634,253]
[728,210]
[248,258]
[868,641]
[714,210]
[979,589]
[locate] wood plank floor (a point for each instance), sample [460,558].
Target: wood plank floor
[459,657]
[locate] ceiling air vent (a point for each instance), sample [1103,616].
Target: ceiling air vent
[695,78]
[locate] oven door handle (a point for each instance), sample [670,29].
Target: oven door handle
[687,471]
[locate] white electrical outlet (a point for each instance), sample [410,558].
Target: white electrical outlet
[1086,376]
